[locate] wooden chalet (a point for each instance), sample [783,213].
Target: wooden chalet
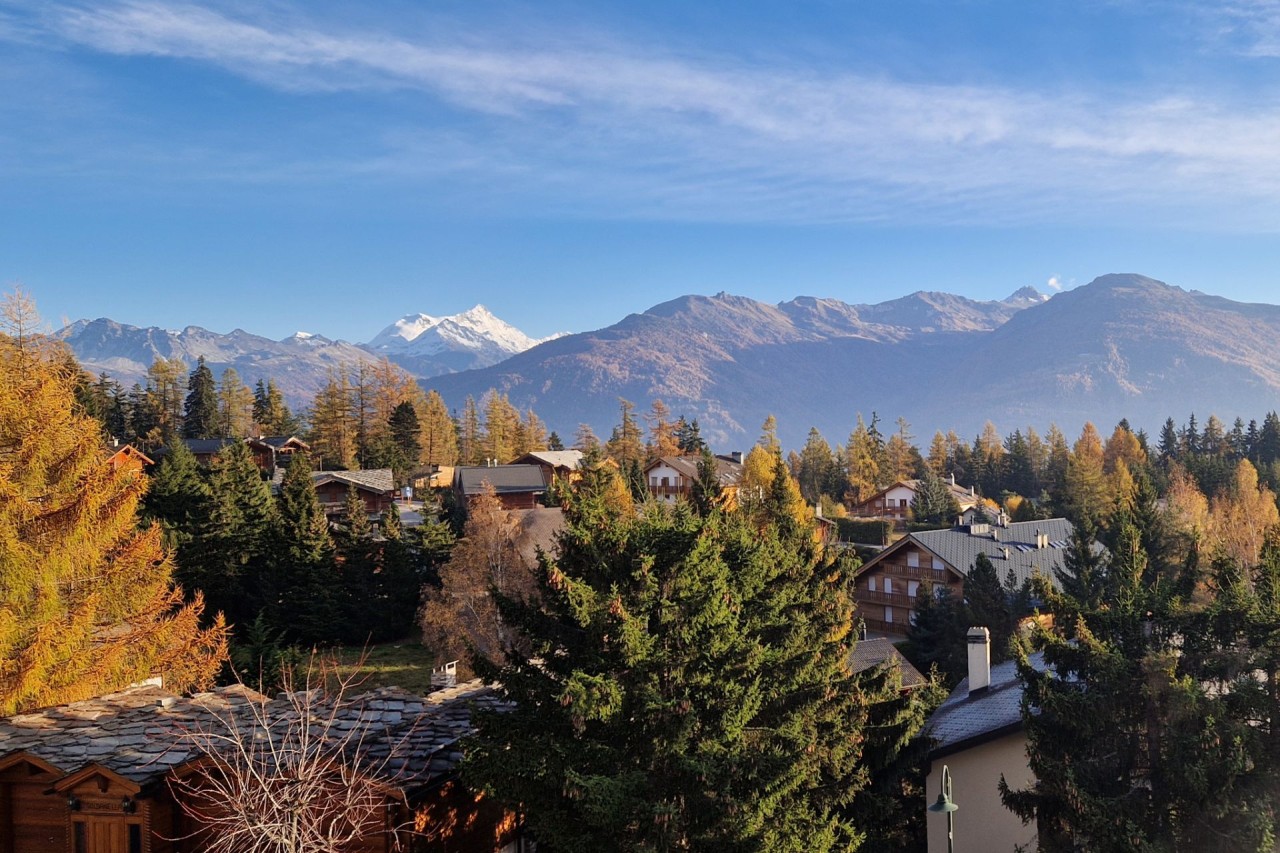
[894,502]
[671,478]
[276,451]
[888,583]
[375,486]
[121,773]
[515,486]
[556,465]
[127,456]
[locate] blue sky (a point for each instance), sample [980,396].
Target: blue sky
[332,166]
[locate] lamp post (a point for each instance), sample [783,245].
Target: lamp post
[945,804]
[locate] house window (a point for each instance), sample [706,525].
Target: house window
[888,585]
[666,481]
[888,615]
[938,565]
[902,502]
[871,583]
[913,559]
[912,588]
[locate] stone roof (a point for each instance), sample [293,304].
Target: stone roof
[374,479]
[963,720]
[208,446]
[555,458]
[539,529]
[141,733]
[881,652]
[1008,546]
[277,442]
[505,479]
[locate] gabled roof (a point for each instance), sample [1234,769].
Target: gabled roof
[130,452]
[140,734]
[963,720]
[959,546]
[728,469]
[554,458]
[881,652]
[381,480]
[208,446]
[965,497]
[277,442]
[505,479]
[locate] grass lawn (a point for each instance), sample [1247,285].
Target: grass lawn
[403,663]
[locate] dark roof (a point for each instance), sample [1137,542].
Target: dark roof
[959,546]
[881,652]
[505,479]
[963,720]
[208,446]
[143,732]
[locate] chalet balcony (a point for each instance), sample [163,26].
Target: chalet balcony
[669,492]
[885,627]
[899,599]
[919,572]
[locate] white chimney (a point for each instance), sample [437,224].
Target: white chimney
[953,478]
[979,659]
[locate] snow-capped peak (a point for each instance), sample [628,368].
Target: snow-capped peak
[475,330]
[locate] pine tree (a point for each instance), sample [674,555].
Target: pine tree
[554,442]
[406,434]
[200,412]
[87,605]
[270,413]
[691,692]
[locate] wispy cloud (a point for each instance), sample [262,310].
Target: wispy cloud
[647,131]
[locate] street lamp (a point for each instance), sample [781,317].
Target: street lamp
[945,804]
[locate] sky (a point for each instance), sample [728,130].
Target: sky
[333,166]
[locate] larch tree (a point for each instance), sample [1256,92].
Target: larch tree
[439,434]
[333,424]
[165,400]
[662,431]
[626,444]
[462,615]
[235,406]
[87,603]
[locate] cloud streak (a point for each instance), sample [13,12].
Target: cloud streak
[648,132]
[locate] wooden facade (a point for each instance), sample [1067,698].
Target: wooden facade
[142,794]
[886,591]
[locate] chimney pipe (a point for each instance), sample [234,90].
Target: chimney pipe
[979,660]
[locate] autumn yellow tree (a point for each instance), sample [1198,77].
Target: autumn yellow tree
[462,615]
[87,603]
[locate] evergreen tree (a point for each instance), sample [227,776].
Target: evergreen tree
[234,548]
[989,606]
[691,691]
[689,436]
[179,496]
[303,594]
[406,434]
[270,413]
[200,412]
[707,491]
[936,635]
[1149,726]
[87,605]
[554,441]
[934,503]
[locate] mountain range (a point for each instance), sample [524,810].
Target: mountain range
[1122,346]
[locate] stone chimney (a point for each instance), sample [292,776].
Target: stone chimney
[736,456]
[979,660]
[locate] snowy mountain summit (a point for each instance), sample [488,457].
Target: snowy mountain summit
[476,335]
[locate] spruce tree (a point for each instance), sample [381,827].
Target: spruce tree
[87,604]
[989,606]
[303,595]
[406,433]
[200,412]
[934,503]
[936,635]
[690,689]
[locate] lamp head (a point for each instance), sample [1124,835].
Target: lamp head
[943,804]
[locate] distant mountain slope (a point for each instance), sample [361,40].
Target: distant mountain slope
[424,345]
[1122,346]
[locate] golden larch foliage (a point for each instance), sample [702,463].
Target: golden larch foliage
[87,603]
